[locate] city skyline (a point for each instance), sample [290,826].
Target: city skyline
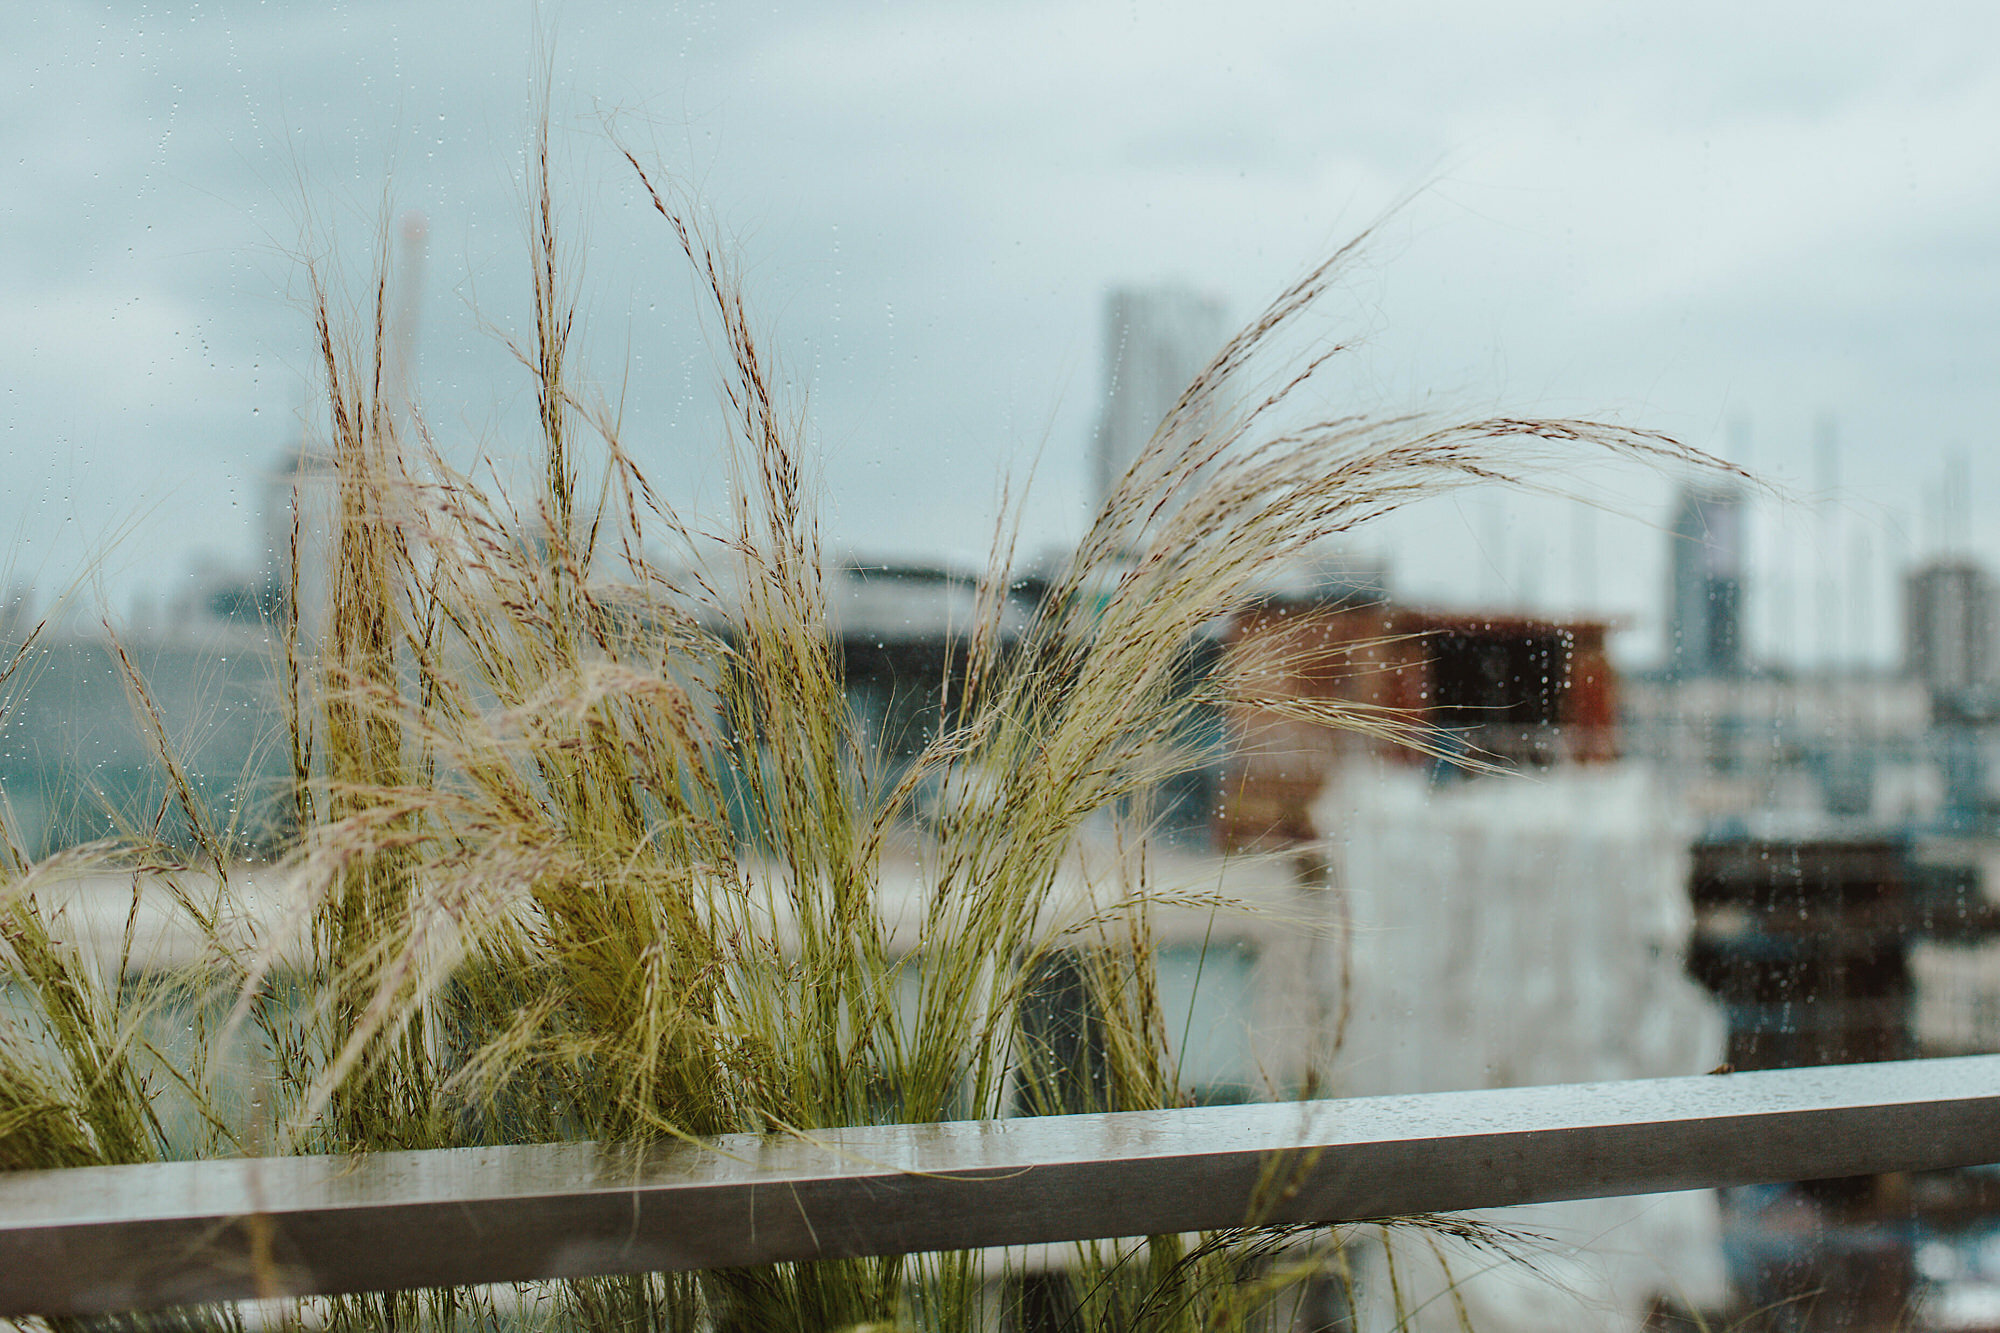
[1680,223]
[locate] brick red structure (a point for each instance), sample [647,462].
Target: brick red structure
[1504,689]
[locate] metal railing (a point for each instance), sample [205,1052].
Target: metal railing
[103,1239]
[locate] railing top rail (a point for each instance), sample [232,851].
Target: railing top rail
[111,1238]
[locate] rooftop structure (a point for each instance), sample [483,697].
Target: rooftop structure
[1488,689]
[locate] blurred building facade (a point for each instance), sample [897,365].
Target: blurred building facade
[1499,899]
[1844,861]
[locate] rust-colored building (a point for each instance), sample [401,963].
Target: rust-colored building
[1502,689]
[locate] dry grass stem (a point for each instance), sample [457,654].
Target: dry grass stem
[590,847]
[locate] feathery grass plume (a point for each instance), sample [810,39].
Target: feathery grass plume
[594,847]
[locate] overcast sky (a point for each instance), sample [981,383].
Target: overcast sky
[1681,217]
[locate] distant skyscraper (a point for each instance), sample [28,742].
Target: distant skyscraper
[301,528]
[1951,619]
[1705,600]
[1156,340]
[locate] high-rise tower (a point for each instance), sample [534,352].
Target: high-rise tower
[1705,598]
[1156,340]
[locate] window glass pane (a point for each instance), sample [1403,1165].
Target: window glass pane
[757,618]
